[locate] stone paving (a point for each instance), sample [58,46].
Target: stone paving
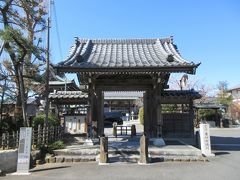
[126,149]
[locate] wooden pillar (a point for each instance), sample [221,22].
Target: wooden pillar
[154,113]
[150,114]
[217,121]
[156,118]
[159,118]
[191,118]
[100,118]
[92,117]
[146,113]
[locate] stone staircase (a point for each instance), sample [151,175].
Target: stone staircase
[126,150]
[77,153]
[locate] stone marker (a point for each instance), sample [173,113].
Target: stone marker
[115,129]
[24,151]
[205,140]
[103,150]
[133,130]
[144,159]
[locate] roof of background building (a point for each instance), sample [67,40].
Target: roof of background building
[67,94]
[125,53]
[117,95]
[108,95]
[209,106]
[234,88]
[29,101]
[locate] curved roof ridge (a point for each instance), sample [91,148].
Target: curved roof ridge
[127,53]
[124,40]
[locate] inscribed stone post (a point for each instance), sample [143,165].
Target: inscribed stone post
[144,159]
[205,139]
[24,150]
[103,150]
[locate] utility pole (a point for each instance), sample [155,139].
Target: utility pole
[47,66]
[2,77]
[1,48]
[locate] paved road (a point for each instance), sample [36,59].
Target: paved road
[225,165]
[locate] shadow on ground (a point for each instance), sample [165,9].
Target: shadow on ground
[48,169]
[225,143]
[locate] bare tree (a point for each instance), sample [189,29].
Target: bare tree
[185,82]
[223,96]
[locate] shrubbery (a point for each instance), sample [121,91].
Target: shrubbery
[208,114]
[56,145]
[39,119]
[48,149]
[141,115]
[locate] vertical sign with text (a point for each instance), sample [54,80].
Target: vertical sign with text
[205,139]
[24,150]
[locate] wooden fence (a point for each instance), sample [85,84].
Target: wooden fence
[124,130]
[40,136]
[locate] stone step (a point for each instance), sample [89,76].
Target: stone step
[123,151]
[175,152]
[178,158]
[159,152]
[152,152]
[123,159]
[76,152]
[70,159]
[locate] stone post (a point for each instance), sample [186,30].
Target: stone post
[144,159]
[133,130]
[115,129]
[205,140]
[103,149]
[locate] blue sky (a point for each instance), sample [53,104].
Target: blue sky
[206,31]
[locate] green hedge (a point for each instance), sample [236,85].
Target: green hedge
[208,114]
[39,119]
[141,115]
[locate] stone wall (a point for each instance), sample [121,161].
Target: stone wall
[8,160]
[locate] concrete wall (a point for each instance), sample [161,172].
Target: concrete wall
[8,160]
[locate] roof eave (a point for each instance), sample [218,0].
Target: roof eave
[190,69]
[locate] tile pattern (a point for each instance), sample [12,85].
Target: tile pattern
[124,53]
[67,94]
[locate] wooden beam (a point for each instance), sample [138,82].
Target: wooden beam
[150,70]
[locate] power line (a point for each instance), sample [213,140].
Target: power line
[57,29]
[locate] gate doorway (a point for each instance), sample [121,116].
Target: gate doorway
[122,108]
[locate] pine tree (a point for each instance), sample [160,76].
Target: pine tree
[23,22]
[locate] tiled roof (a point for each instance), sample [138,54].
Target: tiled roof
[29,101]
[68,94]
[124,53]
[111,95]
[181,93]
[56,83]
[209,106]
[234,88]
[123,94]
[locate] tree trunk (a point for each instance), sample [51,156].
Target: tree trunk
[23,99]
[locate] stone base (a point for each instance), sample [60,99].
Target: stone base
[103,164]
[139,163]
[209,155]
[158,142]
[20,174]
[88,142]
